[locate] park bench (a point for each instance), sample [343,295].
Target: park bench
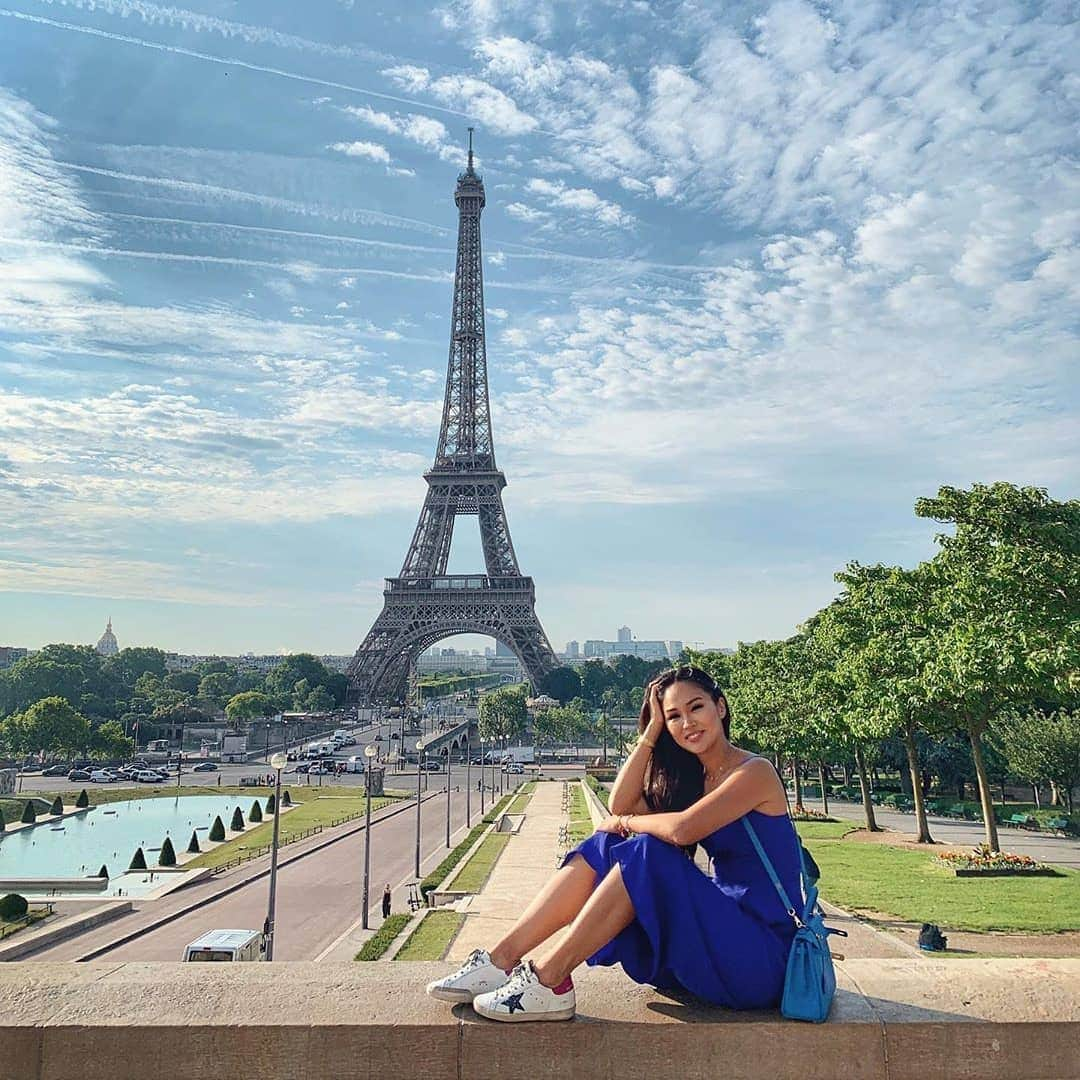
[415,900]
[938,806]
[1058,824]
[1022,821]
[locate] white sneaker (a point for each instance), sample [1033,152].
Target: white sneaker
[524,997]
[475,976]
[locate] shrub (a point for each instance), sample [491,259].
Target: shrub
[13,906]
[271,805]
[217,830]
[286,798]
[237,823]
[376,945]
[255,813]
[83,801]
[193,843]
[103,872]
[167,855]
[57,807]
[29,814]
[138,860]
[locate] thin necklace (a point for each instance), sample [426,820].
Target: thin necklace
[710,777]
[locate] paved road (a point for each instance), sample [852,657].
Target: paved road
[318,896]
[1040,846]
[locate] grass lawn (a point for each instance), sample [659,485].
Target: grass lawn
[378,943]
[306,814]
[475,872]
[431,939]
[32,916]
[519,803]
[581,826]
[909,884]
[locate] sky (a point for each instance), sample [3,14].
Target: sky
[758,276]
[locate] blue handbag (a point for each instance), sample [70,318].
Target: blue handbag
[810,982]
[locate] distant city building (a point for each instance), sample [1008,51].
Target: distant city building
[107,645]
[573,650]
[10,654]
[648,650]
[623,634]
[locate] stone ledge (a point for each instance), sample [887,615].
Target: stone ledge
[892,1020]
[30,941]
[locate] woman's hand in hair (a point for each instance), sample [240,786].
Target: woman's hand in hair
[656,725]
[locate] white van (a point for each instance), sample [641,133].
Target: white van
[225,945]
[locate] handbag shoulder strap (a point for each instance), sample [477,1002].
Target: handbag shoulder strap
[771,870]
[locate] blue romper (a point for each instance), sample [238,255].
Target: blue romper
[724,938]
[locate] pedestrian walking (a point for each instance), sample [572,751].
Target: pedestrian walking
[386,902]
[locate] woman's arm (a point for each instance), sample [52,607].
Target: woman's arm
[627,793]
[751,785]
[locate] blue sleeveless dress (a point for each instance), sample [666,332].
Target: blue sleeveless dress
[724,938]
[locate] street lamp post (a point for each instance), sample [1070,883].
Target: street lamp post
[419,769]
[468,780]
[482,775]
[277,763]
[369,753]
[447,796]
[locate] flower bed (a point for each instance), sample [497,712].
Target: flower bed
[982,862]
[806,813]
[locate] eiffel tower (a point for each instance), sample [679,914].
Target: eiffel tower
[425,604]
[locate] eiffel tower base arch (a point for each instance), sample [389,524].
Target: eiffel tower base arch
[418,612]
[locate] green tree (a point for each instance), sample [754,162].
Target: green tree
[1042,748]
[218,687]
[247,706]
[1005,628]
[187,682]
[138,860]
[237,823]
[167,855]
[52,725]
[217,830]
[502,713]
[109,743]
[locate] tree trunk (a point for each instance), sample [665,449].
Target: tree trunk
[798,783]
[847,774]
[864,787]
[961,788]
[1003,795]
[1035,792]
[824,789]
[1055,794]
[922,825]
[985,796]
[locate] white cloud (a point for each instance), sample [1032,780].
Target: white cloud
[524,213]
[424,131]
[371,151]
[581,201]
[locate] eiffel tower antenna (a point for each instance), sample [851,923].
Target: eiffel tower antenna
[424,604]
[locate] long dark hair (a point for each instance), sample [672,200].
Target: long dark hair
[675,778]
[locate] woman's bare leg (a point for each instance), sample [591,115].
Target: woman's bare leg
[606,912]
[553,908]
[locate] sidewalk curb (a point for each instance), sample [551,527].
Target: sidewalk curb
[63,928]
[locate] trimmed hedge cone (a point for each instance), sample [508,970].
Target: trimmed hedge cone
[167,856]
[217,830]
[237,823]
[13,906]
[255,813]
[193,844]
[286,798]
[138,860]
[83,801]
[29,814]
[271,805]
[103,872]
[57,808]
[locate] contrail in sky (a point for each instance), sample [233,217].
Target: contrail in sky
[229,62]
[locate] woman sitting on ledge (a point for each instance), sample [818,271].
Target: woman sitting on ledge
[632,895]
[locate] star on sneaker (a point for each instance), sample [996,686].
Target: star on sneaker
[524,997]
[475,976]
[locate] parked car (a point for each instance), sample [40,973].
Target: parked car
[102,776]
[148,776]
[514,767]
[291,755]
[395,735]
[303,766]
[432,766]
[205,766]
[78,774]
[54,770]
